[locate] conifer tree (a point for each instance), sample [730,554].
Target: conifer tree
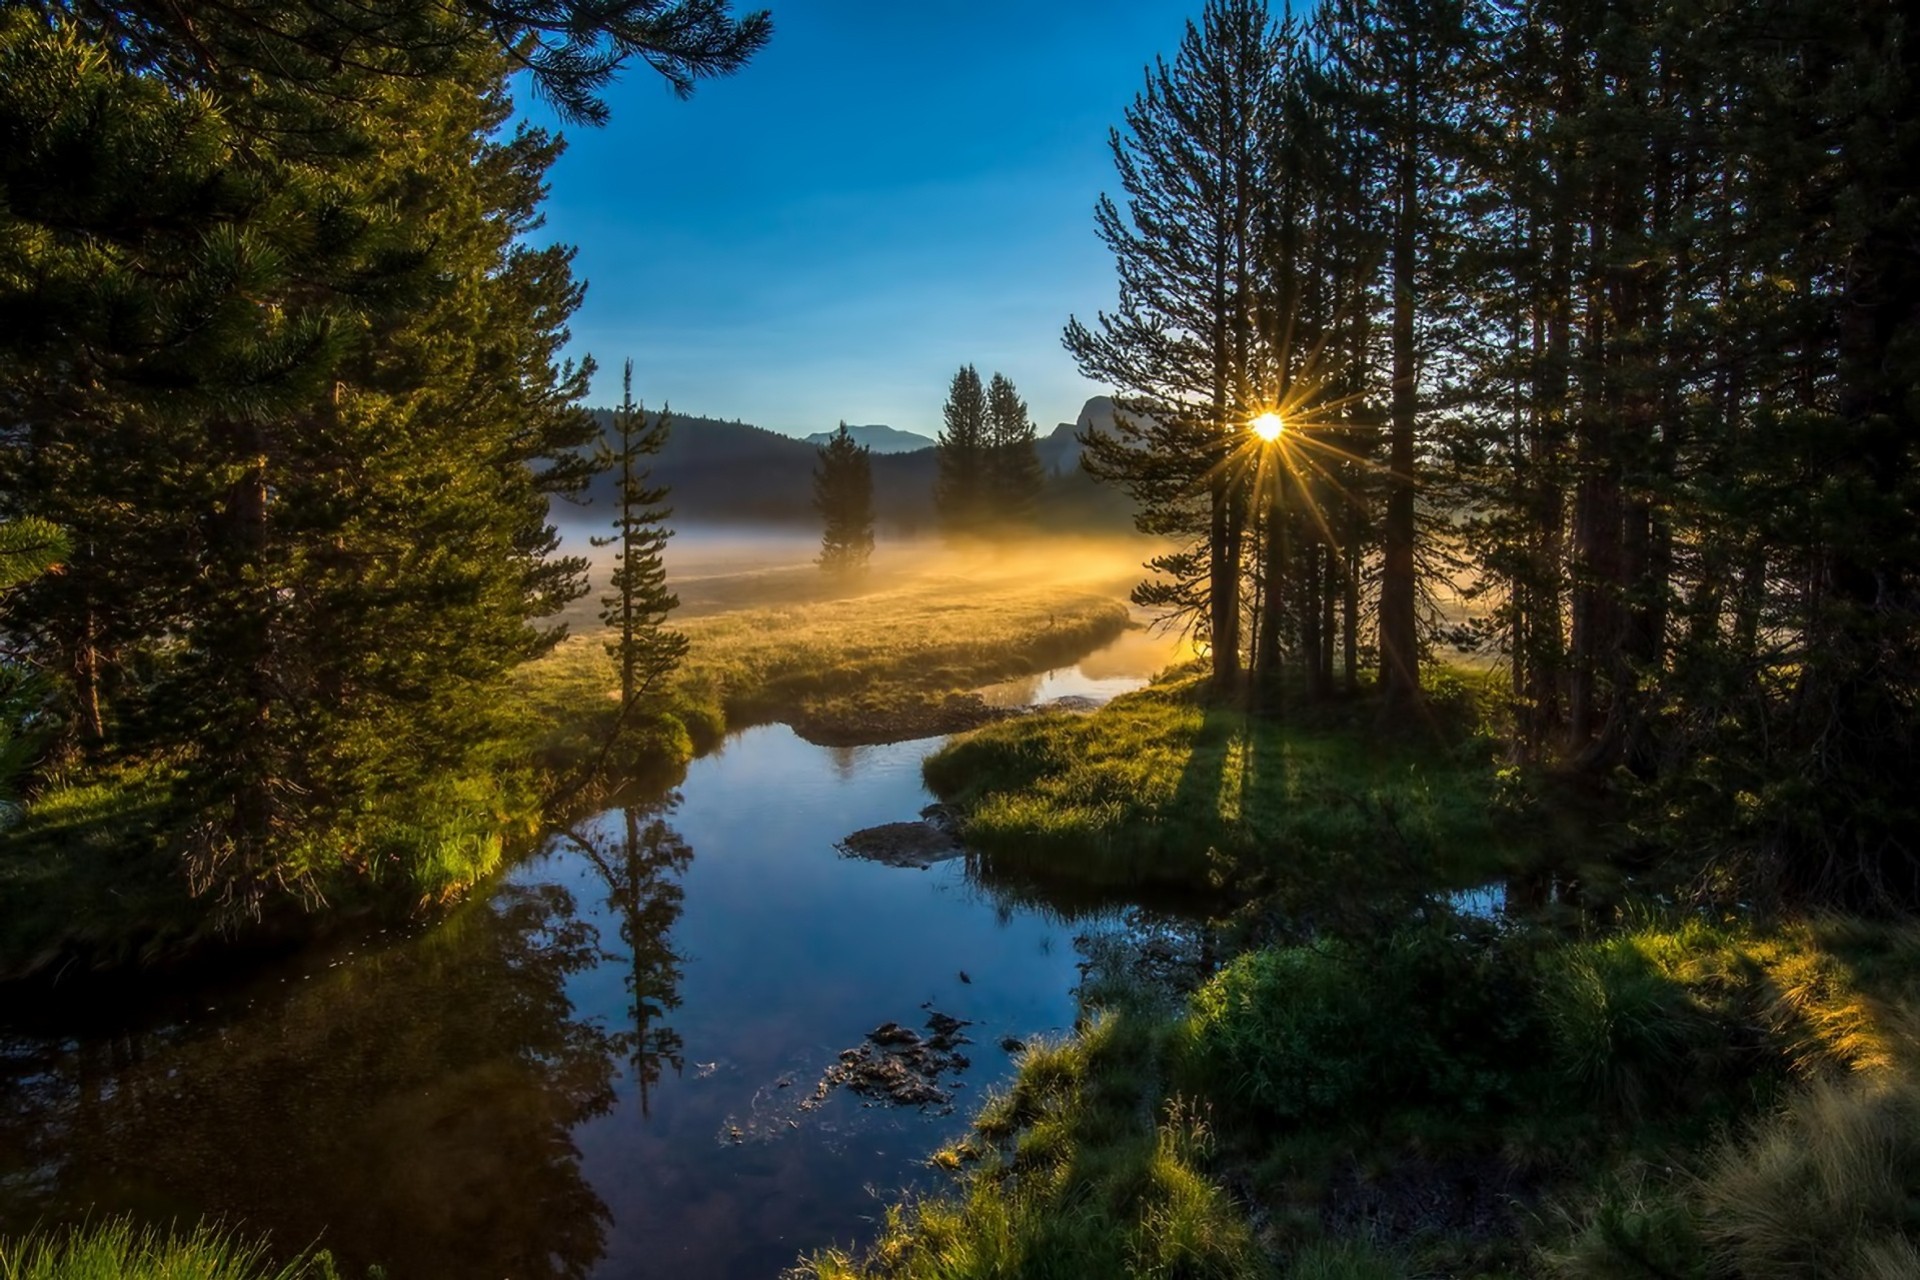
[289,371]
[638,602]
[1180,348]
[1014,477]
[960,493]
[843,495]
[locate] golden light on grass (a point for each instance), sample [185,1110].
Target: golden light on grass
[1268,426]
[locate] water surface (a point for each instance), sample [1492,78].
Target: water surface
[594,1069]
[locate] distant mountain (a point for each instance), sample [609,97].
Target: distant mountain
[879,438]
[735,473]
[1060,452]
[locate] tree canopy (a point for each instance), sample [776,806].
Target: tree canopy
[283,367]
[1591,337]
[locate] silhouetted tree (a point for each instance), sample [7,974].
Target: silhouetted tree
[1181,348]
[1014,477]
[843,495]
[638,603]
[960,490]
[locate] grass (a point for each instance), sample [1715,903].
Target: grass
[116,1249]
[82,873]
[875,667]
[1082,1168]
[1722,1101]
[86,874]
[1166,787]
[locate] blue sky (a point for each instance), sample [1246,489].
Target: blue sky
[886,192]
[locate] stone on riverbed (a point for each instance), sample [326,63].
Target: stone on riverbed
[898,1064]
[902,844]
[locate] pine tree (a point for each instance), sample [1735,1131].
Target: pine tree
[1181,346]
[289,372]
[571,49]
[960,494]
[843,495]
[638,602]
[1014,477]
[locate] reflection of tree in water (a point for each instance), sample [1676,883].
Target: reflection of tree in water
[412,1107]
[642,859]
[845,760]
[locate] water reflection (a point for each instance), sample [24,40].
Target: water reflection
[414,1107]
[595,1071]
[642,859]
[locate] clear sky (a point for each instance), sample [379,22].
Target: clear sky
[886,192]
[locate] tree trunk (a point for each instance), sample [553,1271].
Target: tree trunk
[1399,635]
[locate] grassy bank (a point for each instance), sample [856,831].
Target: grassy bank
[1677,1099]
[90,876]
[116,1249]
[1169,787]
[880,666]
[1595,1085]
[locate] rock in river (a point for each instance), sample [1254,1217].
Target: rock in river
[902,844]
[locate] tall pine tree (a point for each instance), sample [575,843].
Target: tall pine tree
[960,493]
[843,495]
[1014,477]
[637,602]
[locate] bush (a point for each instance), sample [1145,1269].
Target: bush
[1640,1227]
[1340,1031]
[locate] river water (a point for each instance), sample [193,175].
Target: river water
[605,1066]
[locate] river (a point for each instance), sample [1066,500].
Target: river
[604,1066]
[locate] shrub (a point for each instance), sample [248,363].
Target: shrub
[1340,1030]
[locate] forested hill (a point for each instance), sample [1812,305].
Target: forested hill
[736,473]
[723,472]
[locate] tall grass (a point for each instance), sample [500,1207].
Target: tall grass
[117,1249]
[1829,1189]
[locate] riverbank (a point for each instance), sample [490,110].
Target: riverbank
[1386,1078]
[883,666]
[89,880]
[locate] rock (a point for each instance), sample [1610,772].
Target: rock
[902,844]
[1012,1044]
[946,1032]
[898,1065]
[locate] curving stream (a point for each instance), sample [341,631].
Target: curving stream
[608,1065]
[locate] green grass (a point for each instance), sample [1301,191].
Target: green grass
[82,873]
[1721,1100]
[1080,1169]
[1164,787]
[116,1249]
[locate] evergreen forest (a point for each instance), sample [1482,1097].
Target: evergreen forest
[1414,781]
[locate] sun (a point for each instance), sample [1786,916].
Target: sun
[1268,426]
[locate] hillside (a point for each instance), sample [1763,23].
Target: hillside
[724,472]
[879,438]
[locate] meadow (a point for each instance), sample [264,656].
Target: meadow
[1381,1081]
